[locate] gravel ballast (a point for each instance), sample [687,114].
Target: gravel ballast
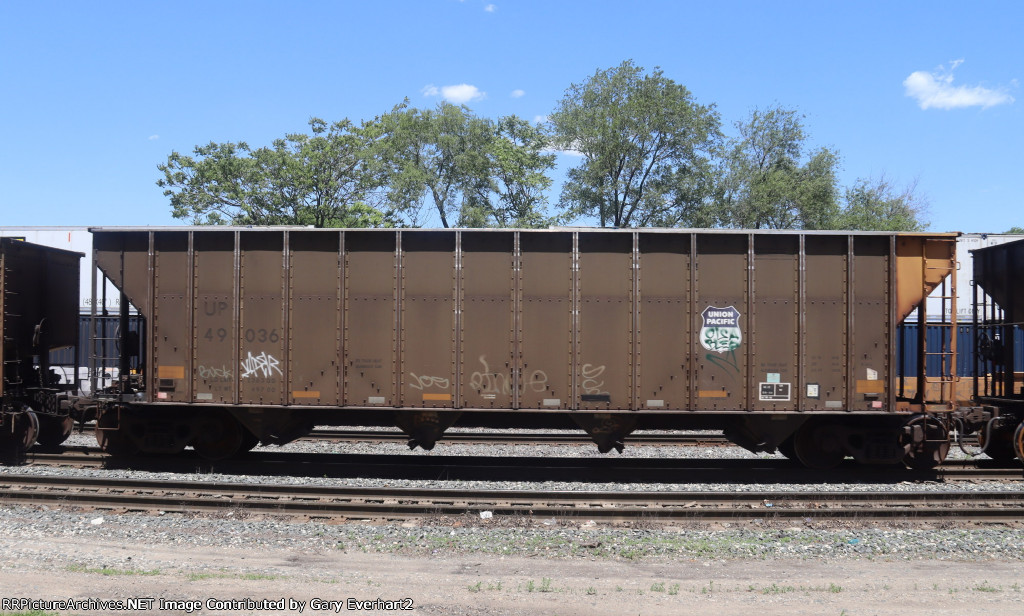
[466,565]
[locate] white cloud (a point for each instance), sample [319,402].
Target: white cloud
[936,89]
[462,93]
[490,8]
[518,93]
[154,137]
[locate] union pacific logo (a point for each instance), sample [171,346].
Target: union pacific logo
[721,331]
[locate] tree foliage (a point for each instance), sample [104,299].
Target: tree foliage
[650,157]
[879,205]
[472,171]
[519,168]
[319,179]
[646,147]
[771,181]
[1016,230]
[438,154]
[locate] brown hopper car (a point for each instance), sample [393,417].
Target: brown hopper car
[39,304]
[784,340]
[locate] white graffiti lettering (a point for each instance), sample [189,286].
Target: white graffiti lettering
[260,365]
[487,382]
[214,373]
[427,382]
[538,381]
[590,384]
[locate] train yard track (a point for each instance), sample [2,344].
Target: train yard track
[647,439]
[538,438]
[480,468]
[599,505]
[402,503]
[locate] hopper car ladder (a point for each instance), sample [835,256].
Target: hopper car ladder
[104,349]
[945,348]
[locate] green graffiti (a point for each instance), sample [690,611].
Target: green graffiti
[720,339]
[727,361]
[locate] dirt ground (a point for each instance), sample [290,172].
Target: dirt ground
[485,585]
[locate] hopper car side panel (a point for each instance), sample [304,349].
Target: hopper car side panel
[604,354]
[263,361]
[871,348]
[429,322]
[172,318]
[826,289]
[547,321]
[212,342]
[722,318]
[750,332]
[489,320]
[614,321]
[665,335]
[314,352]
[775,323]
[370,353]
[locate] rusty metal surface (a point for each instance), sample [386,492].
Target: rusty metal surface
[651,321]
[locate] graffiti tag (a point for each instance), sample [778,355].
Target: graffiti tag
[428,382]
[260,365]
[212,372]
[590,384]
[487,382]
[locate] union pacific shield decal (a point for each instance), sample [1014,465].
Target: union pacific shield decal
[721,331]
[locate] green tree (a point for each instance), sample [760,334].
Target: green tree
[771,180]
[434,157]
[319,180]
[879,205]
[646,147]
[1016,230]
[519,170]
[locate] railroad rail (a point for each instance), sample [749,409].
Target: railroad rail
[537,438]
[483,468]
[403,503]
[647,439]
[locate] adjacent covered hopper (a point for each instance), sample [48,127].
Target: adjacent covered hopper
[999,271]
[39,304]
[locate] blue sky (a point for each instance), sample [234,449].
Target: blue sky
[94,95]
